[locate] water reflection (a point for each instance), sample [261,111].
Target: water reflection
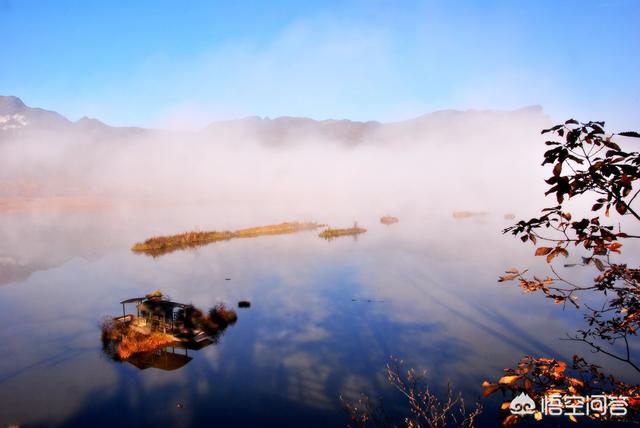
[163,359]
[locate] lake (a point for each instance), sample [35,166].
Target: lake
[325,316]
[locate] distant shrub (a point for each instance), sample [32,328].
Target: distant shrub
[388,219]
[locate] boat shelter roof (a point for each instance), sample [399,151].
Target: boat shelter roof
[161,305]
[133,300]
[155,304]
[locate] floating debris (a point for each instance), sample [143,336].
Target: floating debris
[244,304]
[329,233]
[388,219]
[160,245]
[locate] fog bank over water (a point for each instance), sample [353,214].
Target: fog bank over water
[286,168]
[62,181]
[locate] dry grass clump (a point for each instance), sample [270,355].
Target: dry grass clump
[134,342]
[275,229]
[334,233]
[188,239]
[157,294]
[163,244]
[388,219]
[124,341]
[112,329]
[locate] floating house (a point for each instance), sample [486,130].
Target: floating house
[154,313]
[158,332]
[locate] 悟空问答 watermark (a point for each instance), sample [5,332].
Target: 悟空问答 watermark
[570,405]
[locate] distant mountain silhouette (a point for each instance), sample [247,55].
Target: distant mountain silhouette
[287,129]
[15,114]
[16,119]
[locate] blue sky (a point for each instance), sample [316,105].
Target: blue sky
[183,64]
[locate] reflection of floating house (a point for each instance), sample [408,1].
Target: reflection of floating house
[163,359]
[168,358]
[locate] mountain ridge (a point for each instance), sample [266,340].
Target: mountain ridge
[16,118]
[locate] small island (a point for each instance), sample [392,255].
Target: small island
[330,233]
[468,214]
[165,244]
[388,219]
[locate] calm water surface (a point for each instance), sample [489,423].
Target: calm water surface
[325,317]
